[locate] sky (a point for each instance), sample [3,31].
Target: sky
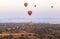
[15,11]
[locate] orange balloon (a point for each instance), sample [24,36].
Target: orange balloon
[25,4]
[29,12]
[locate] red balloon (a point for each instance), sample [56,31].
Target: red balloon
[29,12]
[25,4]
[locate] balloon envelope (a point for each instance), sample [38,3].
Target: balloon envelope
[29,12]
[34,5]
[25,4]
[51,6]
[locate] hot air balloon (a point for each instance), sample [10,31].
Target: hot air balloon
[51,6]
[25,4]
[34,5]
[30,12]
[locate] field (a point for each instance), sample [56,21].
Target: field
[29,31]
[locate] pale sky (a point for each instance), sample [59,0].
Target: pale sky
[14,9]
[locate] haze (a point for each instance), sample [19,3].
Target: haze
[14,11]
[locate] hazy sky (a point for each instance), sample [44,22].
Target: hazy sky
[14,10]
